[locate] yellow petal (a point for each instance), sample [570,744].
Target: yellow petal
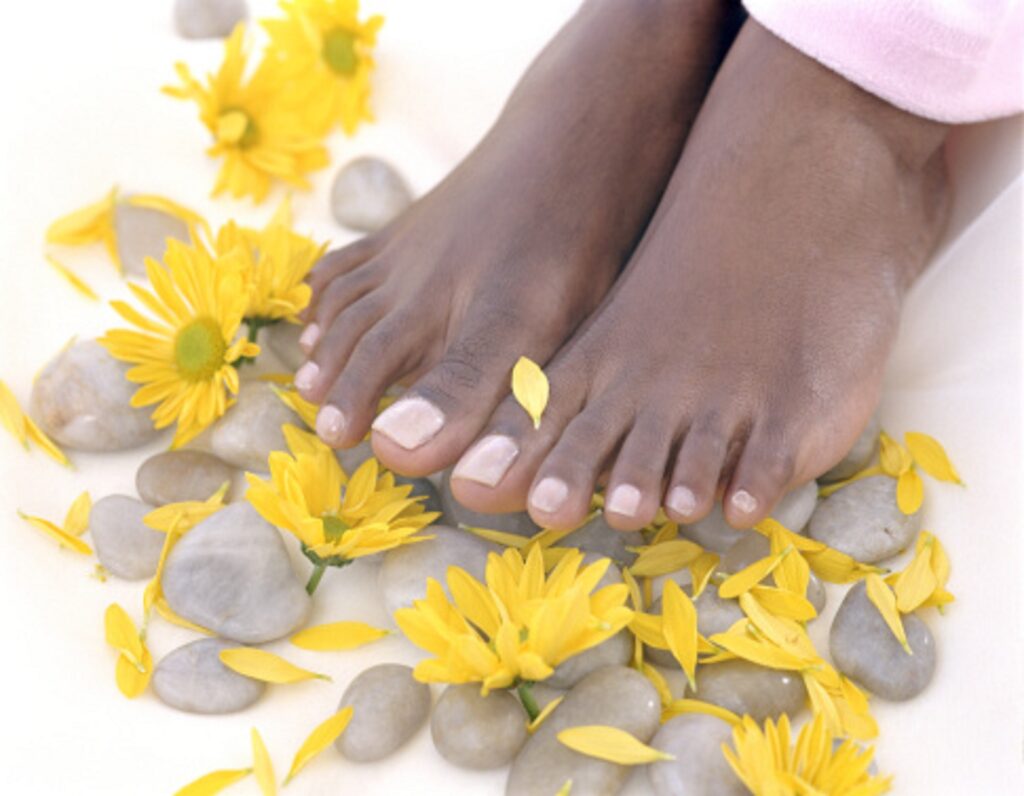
[782,602]
[665,557]
[931,456]
[679,626]
[658,681]
[566,788]
[611,744]
[77,519]
[530,388]
[262,766]
[885,601]
[266,666]
[750,576]
[214,782]
[916,583]
[322,736]
[893,457]
[49,447]
[65,539]
[11,416]
[547,711]
[337,636]
[701,570]
[132,678]
[909,492]
[677,707]
[85,225]
[73,279]
[120,631]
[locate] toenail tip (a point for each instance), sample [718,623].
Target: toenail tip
[682,501]
[487,462]
[330,424]
[410,422]
[309,337]
[624,500]
[306,376]
[744,501]
[549,495]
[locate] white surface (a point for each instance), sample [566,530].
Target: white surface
[82,111]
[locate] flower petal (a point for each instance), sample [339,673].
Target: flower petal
[611,744]
[262,766]
[884,600]
[322,736]
[931,456]
[265,666]
[337,636]
[530,388]
[909,492]
[214,782]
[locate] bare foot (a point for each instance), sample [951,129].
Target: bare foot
[519,244]
[742,350]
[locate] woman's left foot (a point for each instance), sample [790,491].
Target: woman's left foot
[742,350]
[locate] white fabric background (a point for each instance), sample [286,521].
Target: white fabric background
[82,111]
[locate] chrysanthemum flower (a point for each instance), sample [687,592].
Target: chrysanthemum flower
[184,358]
[326,54]
[336,518]
[256,129]
[515,628]
[770,765]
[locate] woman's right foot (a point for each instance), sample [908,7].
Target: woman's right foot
[510,253]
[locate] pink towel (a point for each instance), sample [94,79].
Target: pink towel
[950,60]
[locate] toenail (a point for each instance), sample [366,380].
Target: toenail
[488,460]
[306,376]
[330,424]
[410,422]
[309,337]
[682,501]
[623,500]
[743,501]
[549,495]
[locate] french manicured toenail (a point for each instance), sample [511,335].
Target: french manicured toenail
[682,501]
[305,376]
[624,500]
[309,337]
[410,422]
[743,501]
[549,495]
[330,424]
[488,460]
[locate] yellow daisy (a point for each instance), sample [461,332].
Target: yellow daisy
[184,358]
[336,518]
[326,53]
[256,130]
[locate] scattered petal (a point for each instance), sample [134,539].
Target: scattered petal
[545,712]
[73,279]
[214,782]
[266,666]
[262,766]
[530,388]
[679,626]
[611,744]
[884,600]
[893,457]
[77,520]
[750,576]
[63,538]
[322,736]
[909,492]
[337,636]
[931,457]
[665,557]
[678,707]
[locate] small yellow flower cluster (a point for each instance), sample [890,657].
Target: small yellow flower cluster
[270,124]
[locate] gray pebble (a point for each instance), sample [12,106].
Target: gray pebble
[796,507]
[478,732]
[143,232]
[388,707]
[193,679]
[860,455]
[863,520]
[748,549]
[746,688]
[125,546]
[864,648]
[613,696]
[83,401]
[232,575]
[367,194]
[616,651]
[597,536]
[404,570]
[456,514]
[208,19]
[251,429]
[351,458]
[283,340]
[816,593]
[699,768]
[175,476]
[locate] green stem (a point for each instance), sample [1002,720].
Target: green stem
[253,325]
[314,579]
[525,692]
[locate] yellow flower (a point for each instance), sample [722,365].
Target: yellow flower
[518,625]
[326,54]
[277,262]
[75,523]
[770,765]
[134,663]
[256,129]
[94,223]
[24,428]
[336,518]
[184,359]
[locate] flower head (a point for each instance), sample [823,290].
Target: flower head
[185,357]
[768,763]
[256,129]
[326,53]
[519,624]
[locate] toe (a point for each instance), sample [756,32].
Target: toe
[333,265]
[345,291]
[764,472]
[635,487]
[698,468]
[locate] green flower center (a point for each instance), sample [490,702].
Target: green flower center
[199,349]
[334,529]
[340,51]
[235,126]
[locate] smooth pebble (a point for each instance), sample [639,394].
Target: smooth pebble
[388,707]
[175,476]
[613,696]
[82,399]
[367,194]
[864,648]
[232,574]
[744,687]
[699,767]
[208,19]
[478,732]
[283,340]
[859,456]
[193,679]
[125,546]
[251,429]
[142,232]
[796,507]
[863,520]
[351,458]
